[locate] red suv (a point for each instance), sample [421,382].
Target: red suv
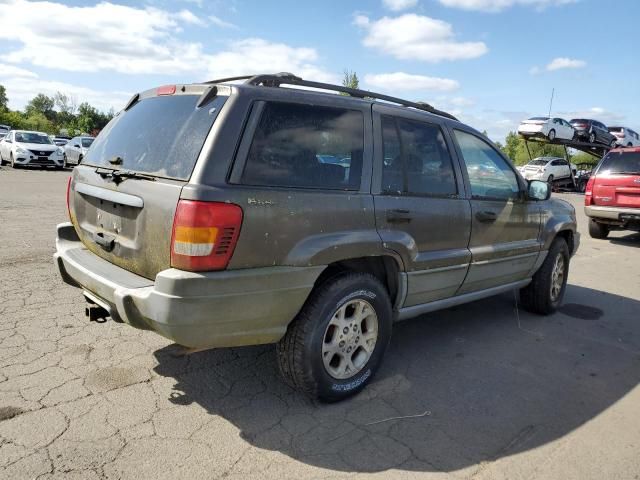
[612,196]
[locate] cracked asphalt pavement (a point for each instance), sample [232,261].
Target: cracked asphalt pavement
[509,395]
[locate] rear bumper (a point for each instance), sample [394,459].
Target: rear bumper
[618,214]
[198,310]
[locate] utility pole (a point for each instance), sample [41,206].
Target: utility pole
[551,102]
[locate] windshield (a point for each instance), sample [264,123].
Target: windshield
[621,162]
[86,142]
[160,136]
[539,118]
[32,137]
[538,161]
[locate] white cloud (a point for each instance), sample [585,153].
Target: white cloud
[406,81]
[499,5]
[563,62]
[22,85]
[101,37]
[397,5]
[188,17]
[255,55]
[597,113]
[417,37]
[218,22]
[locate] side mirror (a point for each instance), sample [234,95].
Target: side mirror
[539,190]
[77,145]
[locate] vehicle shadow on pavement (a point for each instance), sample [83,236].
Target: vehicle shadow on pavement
[631,240]
[494,381]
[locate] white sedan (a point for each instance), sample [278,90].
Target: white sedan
[547,127]
[22,148]
[547,169]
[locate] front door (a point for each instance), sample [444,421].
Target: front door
[505,226]
[421,212]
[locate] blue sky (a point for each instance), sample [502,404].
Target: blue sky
[490,62]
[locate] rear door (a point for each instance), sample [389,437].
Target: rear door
[505,227]
[420,204]
[128,221]
[618,180]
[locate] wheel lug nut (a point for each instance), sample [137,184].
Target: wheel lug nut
[341,344]
[345,330]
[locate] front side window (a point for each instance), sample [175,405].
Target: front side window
[489,174]
[306,146]
[416,159]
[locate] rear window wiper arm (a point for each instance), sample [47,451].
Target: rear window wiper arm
[119,175]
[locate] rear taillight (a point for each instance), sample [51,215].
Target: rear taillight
[68,198]
[588,191]
[204,235]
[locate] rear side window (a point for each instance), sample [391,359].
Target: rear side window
[416,159]
[621,162]
[159,136]
[306,146]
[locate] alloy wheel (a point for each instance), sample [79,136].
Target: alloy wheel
[350,339]
[557,277]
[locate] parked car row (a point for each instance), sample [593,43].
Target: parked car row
[583,129]
[29,148]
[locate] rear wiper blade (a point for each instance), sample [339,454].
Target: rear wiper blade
[119,175]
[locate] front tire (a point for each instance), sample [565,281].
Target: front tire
[336,343]
[545,292]
[592,137]
[550,180]
[12,161]
[613,143]
[598,230]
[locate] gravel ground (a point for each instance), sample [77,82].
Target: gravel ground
[507,395]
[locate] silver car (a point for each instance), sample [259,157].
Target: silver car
[76,149]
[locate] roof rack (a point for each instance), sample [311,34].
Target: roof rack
[285,78]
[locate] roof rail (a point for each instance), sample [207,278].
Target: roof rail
[285,78]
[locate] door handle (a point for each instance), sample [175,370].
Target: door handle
[486,216]
[398,215]
[107,242]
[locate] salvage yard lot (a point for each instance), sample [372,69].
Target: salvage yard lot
[507,394]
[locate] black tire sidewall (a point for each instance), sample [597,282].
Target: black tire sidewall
[327,387]
[559,248]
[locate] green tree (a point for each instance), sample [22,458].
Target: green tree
[37,121]
[41,104]
[510,148]
[3,99]
[350,79]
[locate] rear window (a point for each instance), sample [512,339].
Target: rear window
[616,129]
[159,136]
[86,142]
[579,120]
[306,146]
[539,118]
[621,162]
[540,161]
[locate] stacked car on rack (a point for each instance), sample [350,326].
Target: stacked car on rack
[578,129]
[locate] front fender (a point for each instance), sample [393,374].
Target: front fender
[557,216]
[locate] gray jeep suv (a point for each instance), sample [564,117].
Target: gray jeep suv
[223,214]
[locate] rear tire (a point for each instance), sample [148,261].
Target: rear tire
[598,230]
[613,143]
[550,180]
[551,135]
[313,356]
[592,137]
[545,292]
